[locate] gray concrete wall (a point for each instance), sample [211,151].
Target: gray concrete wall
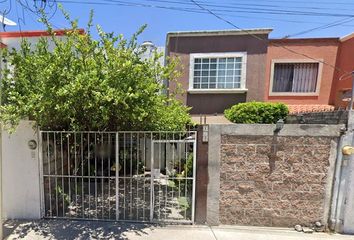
[20,169]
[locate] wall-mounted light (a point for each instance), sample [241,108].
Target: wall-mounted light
[32,144]
[279,125]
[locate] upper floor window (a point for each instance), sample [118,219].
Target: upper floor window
[219,71]
[295,78]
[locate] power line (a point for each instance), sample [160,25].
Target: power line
[220,8]
[307,2]
[237,6]
[329,25]
[190,10]
[243,9]
[261,39]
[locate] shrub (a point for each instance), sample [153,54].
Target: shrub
[256,112]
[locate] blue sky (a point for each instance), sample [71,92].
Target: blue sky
[286,17]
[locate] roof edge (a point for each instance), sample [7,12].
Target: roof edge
[219,32]
[37,33]
[346,37]
[285,40]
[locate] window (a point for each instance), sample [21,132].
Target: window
[217,71]
[299,78]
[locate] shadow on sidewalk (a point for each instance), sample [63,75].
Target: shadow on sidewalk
[69,229]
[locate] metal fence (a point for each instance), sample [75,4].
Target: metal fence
[129,176]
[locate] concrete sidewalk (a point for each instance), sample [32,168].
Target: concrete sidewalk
[62,229]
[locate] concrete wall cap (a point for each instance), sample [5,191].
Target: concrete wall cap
[288,129]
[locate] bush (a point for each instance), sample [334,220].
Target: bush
[257,112]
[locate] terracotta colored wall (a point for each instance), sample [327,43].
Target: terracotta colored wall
[345,63]
[324,49]
[256,50]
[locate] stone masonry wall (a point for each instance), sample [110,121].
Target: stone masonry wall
[334,117]
[273,181]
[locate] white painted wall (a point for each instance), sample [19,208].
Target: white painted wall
[16,42]
[21,189]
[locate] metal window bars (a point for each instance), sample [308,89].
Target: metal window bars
[119,176]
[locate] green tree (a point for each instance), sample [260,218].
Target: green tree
[82,83]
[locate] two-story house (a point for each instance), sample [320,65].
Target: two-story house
[219,68]
[223,68]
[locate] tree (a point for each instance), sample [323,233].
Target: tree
[88,84]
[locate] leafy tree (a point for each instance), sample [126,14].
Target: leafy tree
[87,84]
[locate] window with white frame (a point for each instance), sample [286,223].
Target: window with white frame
[295,77]
[218,71]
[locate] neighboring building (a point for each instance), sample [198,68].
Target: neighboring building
[345,64]
[223,68]
[219,68]
[150,48]
[296,73]
[14,39]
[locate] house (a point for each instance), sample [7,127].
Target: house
[219,68]
[299,73]
[223,68]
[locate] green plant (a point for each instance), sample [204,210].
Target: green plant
[183,203]
[80,83]
[188,166]
[256,112]
[63,195]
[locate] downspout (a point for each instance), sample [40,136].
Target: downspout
[340,184]
[334,218]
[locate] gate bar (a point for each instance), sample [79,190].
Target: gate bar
[117,176]
[151,180]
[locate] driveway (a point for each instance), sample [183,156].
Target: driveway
[61,229]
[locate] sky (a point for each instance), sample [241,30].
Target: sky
[294,18]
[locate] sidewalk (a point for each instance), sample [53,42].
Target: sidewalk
[62,229]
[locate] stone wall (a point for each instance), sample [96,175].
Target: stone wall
[261,177]
[273,181]
[335,117]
